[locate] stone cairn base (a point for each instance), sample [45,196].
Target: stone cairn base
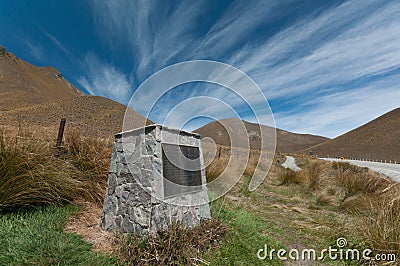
[135,200]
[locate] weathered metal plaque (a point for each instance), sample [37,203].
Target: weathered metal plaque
[181,166]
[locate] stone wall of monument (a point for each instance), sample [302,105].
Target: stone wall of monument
[134,199]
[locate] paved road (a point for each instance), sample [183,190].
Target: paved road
[391,170]
[291,164]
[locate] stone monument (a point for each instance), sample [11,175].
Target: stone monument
[156,177]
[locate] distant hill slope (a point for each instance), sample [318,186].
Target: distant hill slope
[379,139]
[39,97]
[286,141]
[23,85]
[91,115]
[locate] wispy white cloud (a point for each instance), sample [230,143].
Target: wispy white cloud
[238,23]
[321,54]
[366,45]
[35,50]
[155,33]
[336,113]
[56,42]
[367,48]
[104,80]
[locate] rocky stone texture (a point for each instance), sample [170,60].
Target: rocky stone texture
[3,51]
[134,199]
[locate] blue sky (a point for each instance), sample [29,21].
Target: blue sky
[325,67]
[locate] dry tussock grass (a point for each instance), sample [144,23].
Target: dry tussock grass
[287,176]
[370,197]
[375,200]
[380,225]
[91,157]
[177,246]
[309,176]
[326,199]
[216,168]
[357,180]
[220,162]
[30,174]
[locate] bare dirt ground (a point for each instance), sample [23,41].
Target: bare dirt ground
[86,224]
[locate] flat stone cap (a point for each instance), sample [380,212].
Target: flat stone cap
[153,126]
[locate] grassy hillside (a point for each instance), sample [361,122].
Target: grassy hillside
[92,116]
[376,140]
[38,97]
[23,85]
[285,141]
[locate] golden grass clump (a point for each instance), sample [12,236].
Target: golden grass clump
[216,168]
[309,176]
[288,176]
[357,180]
[380,225]
[31,175]
[91,157]
[313,172]
[325,199]
[375,202]
[251,166]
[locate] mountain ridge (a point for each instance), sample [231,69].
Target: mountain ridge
[286,141]
[38,97]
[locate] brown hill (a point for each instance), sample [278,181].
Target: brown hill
[91,115]
[286,141]
[24,85]
[38,97]
[379,139]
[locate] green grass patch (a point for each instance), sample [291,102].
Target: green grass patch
[247,234]
[37,238]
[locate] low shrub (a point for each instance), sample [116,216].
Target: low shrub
[177,246]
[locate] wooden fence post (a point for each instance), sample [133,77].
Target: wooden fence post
[60,135]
